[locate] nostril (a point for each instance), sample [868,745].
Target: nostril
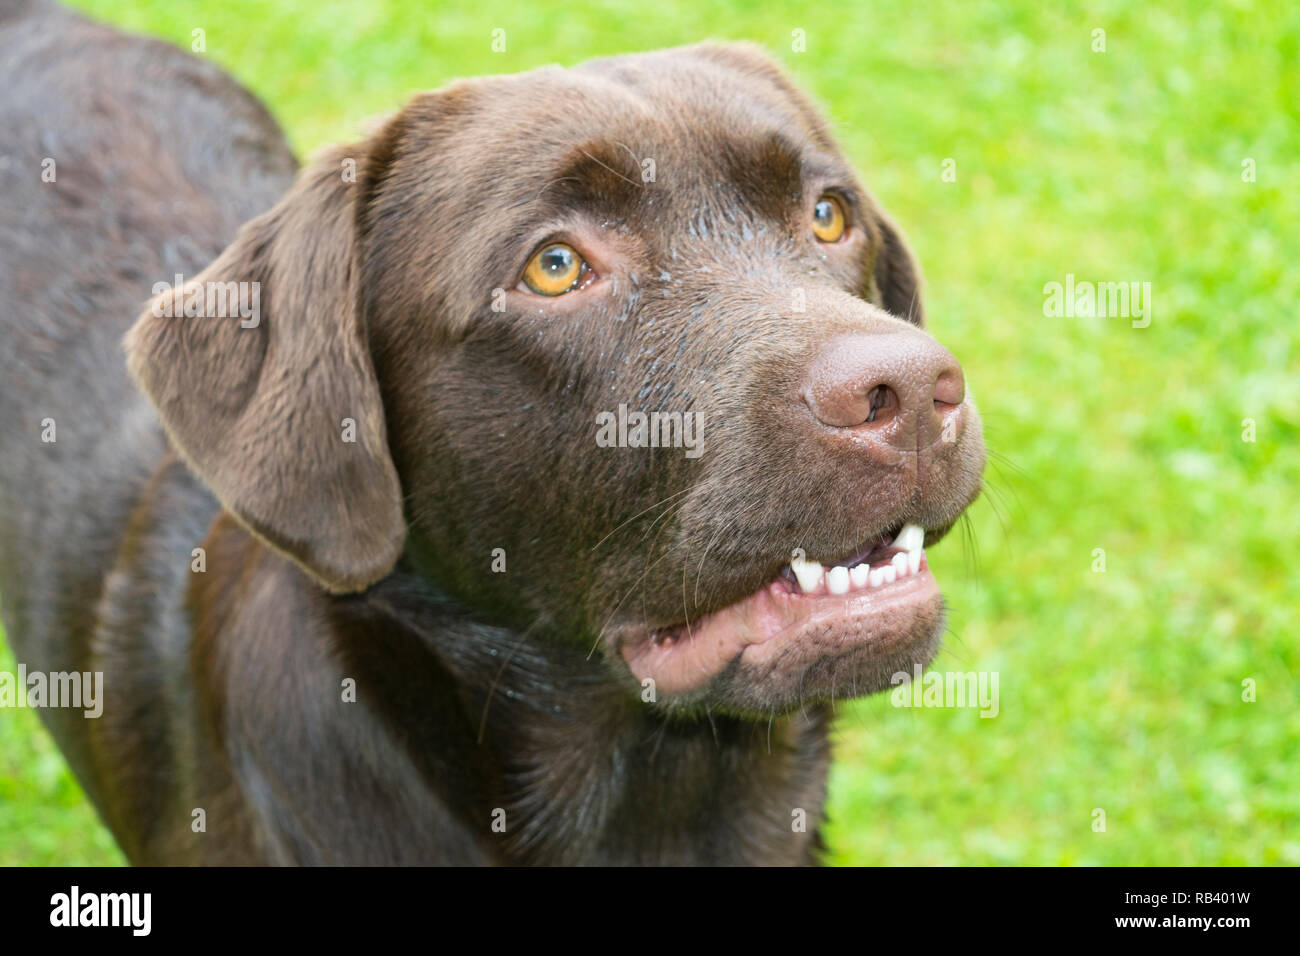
[897,388]
[950,389]
[883,403]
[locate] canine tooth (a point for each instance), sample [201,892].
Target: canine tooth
[914,561]
[911,538]
[899,564]
[837,580]
[859,575]
[877,576]
[808,574]
[890,573]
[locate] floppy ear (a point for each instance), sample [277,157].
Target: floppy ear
[896,275]
[275,404]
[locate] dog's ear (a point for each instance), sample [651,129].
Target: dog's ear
[273,399]
[896,275]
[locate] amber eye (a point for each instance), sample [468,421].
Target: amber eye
[828,219]
[555,269]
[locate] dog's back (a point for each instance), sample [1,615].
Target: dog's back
[125,163]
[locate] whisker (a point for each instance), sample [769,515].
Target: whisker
[614,171]
[630,592]
[963,658]
[653,544]
[639,514]
[487,703]
[970,546]
[700,571]
[553,182]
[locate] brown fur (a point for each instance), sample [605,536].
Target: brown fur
[329,561]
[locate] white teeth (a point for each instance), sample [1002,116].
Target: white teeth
[837,580]
[808,574]
[911,538]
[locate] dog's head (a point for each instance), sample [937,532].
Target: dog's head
[623,354]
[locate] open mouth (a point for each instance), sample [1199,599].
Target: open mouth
[874,606]
[882,562]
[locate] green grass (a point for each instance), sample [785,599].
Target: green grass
[1119,690]
[44,817]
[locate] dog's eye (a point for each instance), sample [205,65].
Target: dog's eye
[828,219]
[555,269]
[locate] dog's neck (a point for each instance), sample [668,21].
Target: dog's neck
[568,765]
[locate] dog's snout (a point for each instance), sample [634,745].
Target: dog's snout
[900,388]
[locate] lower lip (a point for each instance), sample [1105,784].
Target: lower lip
[812,609]
[758,628]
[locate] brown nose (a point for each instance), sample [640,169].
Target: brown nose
[902,388]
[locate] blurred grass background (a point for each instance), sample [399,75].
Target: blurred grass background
[1119,690]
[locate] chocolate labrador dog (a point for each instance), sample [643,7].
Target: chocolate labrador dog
[521,484]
